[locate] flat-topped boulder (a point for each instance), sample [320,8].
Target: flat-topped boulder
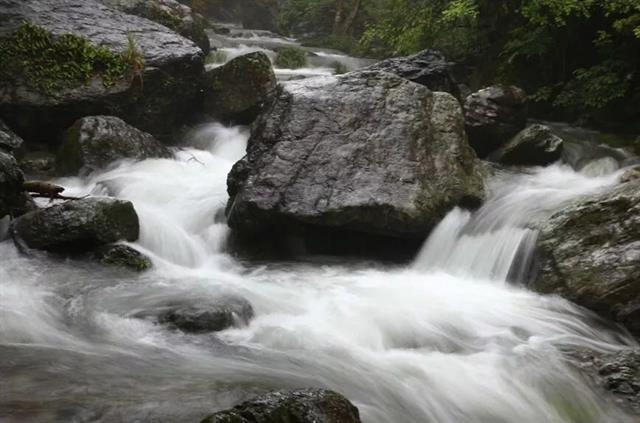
[368,152]
[84,58]
[77,226]
[170,13]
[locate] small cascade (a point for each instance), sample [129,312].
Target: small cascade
[497,241]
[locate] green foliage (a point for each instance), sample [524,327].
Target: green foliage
[291,58]
[403,27]
[216,57]
[49,63]
[339,68]
[592,88]
[165,17]
[344,43]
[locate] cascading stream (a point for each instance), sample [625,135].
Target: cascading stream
[437,341]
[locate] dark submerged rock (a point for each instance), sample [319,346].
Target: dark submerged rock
[170,13]
[38,164]
[157,98]
[208,315]
[95,142]
[121,255]
[299,406]
[366,152]
[75,226]
[238,90]
[493,116]
[534,146]
[589,253]
[9,141]
[428,67]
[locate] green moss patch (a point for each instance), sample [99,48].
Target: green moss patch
[49,63]
[291,58]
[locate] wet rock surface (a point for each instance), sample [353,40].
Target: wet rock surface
[300,406]
[203,315]
[493,116]
[618,373]
[157,98]
[12,195]
[589,251]
[368,152]
[76,226]
[9,141]
[95,142]
[534,146]
[124,256]
[238,90]
[428,67]
[170,13]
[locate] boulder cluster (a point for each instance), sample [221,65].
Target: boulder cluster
[381,153]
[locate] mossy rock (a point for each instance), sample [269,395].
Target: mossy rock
[299,406]
[49,63]
[83,58]
[122,255]
[238,90]
[77,226]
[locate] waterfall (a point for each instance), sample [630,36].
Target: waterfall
[498,240]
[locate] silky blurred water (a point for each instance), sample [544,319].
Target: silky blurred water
[444,339]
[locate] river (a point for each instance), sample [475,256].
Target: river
[448,338]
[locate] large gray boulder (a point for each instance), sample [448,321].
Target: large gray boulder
[238,90]
[589,253]
[77,226]
[170,13]
[9,141]
[493,116]
[368,152]
[128,67]
[95,142]
[534,146]
[428,67]
[300,406]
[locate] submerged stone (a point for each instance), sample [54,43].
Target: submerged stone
[124,256]
[207,315]
[299,406]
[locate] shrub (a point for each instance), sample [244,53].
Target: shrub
[291,58]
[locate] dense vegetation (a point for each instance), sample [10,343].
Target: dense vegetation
[579,58]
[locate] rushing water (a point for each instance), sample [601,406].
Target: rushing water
[445,339]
